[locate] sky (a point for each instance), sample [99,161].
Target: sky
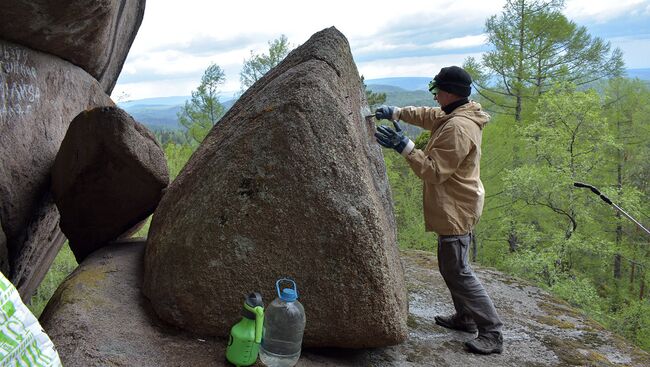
[178,40]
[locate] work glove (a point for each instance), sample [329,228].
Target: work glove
[394,139]
[385,112]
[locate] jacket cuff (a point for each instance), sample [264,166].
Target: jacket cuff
[396,112]
[408,148]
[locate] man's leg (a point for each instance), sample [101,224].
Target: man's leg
[468,292]
[461,320]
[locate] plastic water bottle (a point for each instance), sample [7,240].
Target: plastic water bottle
[284,324]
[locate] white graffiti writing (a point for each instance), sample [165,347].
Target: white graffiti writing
[10,53]
[15,67]
[19,90]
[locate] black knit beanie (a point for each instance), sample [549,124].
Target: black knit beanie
[454,79]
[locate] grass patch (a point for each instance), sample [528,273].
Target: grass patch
[63,265]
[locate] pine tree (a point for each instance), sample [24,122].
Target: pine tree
[534,46]
[203,110]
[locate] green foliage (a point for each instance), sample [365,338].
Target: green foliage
[63,265]
[177,156]
[374,99]
[259,64]
[537,226]
[144,231]
[423,139]
[165,136]
[632,322]
[203,110]
[579,292]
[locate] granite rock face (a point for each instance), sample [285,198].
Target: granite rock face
[39,246]
[108,176]
[539,330]
[40,94]
[289,183]
[95,35]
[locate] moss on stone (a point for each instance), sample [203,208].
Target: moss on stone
[80,288]
[573,352]
[424,259]
[556,307]
[411,322]
[555,321]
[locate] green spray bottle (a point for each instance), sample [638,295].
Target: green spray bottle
[246,335]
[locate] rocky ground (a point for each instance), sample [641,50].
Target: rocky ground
[98,317]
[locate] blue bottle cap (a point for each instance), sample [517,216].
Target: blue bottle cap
[288,295]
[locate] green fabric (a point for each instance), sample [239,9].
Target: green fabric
[22,340]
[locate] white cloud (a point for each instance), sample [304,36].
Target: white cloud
[158,88]
[410,66]
[462,42]
[178,40]
[166,42]
[603,10]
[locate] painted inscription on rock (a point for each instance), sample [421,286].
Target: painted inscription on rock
[19,90]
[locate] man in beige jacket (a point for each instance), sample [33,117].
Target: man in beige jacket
[453,195]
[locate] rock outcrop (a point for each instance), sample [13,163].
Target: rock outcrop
[104,292]
[40,94]
[95,35]
[290,183]
[108,176]
[98,317]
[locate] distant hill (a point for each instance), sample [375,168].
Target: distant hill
[397,96]
[406,83]
[643,74]
[161,113]
[159,101]
[158,117]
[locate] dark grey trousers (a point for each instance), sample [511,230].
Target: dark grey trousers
[472,303]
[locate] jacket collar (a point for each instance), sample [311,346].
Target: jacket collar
[452,106]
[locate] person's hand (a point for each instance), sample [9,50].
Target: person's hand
[384,112]
[394,139]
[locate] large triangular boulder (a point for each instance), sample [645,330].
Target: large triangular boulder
[108,176]
[40,94]
[289,183]
[95,35]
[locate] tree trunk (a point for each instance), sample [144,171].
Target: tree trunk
[513,241]
[520,77]
[619,225]
[617,266]
[642,288]
[632,277]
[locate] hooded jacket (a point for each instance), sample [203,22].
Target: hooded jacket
[449,165]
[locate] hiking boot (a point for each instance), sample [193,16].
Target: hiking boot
[453,322]
[487,343]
